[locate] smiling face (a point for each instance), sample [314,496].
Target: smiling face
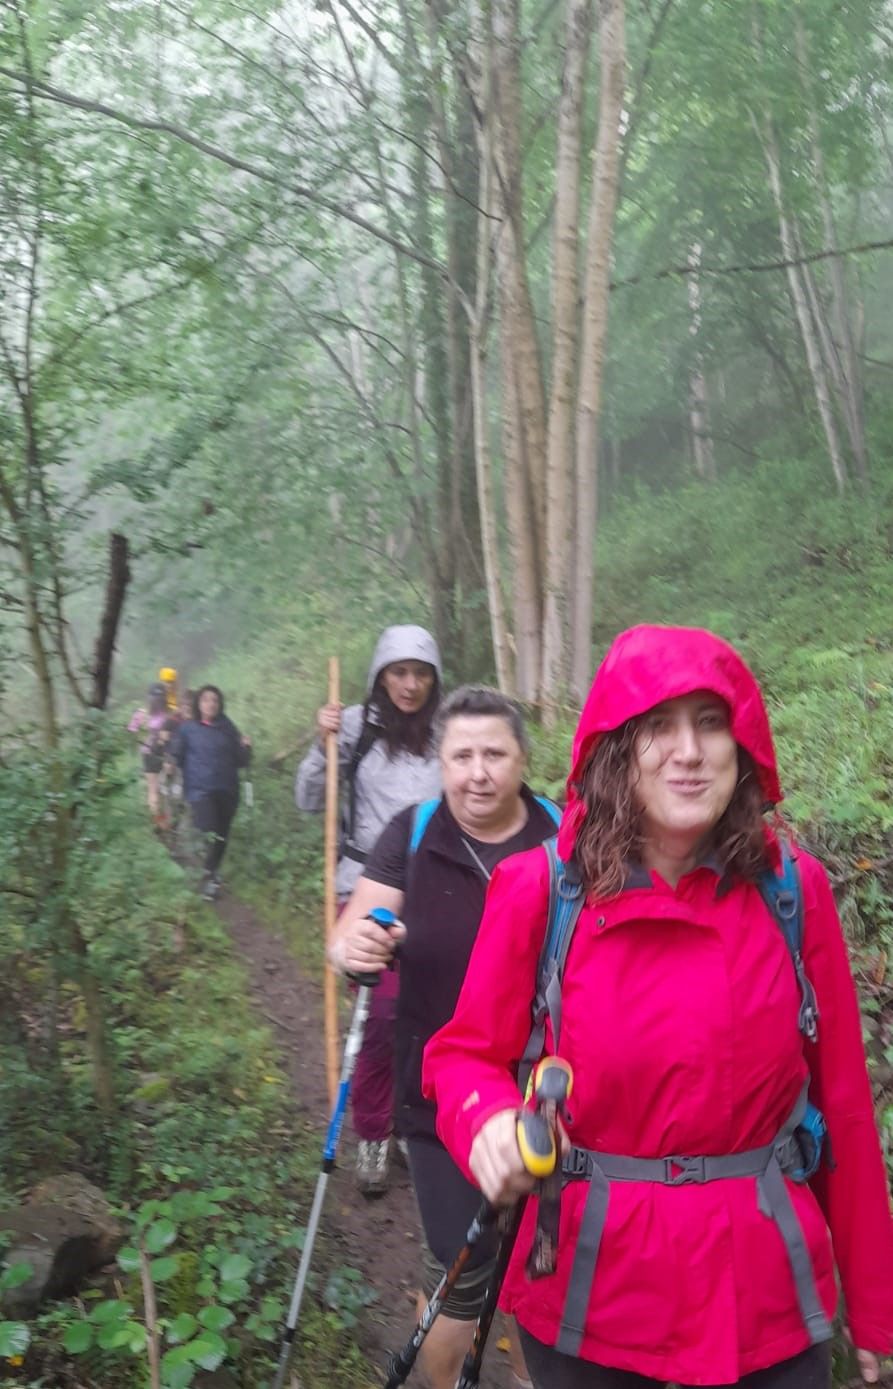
[686,768]
[408,684]
[483,765]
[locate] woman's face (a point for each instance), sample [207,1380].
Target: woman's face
[686,767]
[208,705]
[483,765]
[408,684]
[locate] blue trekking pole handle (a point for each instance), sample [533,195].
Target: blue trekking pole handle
[367,983]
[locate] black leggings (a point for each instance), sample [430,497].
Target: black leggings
[213,814]
[550,1370]
[447,1205]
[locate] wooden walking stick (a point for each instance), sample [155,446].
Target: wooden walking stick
[330,862]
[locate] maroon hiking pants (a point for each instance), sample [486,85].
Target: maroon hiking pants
[373,1080]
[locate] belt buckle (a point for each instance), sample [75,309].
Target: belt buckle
[683,1171]
[576,1165]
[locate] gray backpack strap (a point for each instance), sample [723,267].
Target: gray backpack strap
[566,898]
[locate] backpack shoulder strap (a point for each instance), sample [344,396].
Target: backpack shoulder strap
[782,891]
[551,809]
[421,819]
[369,734]
[566,898]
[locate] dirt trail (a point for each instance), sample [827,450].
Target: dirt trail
[381,1238]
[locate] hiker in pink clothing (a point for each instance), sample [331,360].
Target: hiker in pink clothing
[155,725]
[696,1246]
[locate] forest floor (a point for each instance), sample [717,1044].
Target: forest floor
[379,1238]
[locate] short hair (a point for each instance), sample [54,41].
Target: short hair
[480,701]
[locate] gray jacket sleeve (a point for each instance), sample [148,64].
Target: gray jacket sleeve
[310,782]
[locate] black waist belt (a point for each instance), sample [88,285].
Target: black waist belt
[768,1164]
[348,851]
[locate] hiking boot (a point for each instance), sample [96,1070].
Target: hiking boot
[210,887]
[372,1166]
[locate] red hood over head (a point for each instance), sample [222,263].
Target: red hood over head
[647,665]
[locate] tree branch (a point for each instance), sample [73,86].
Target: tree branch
[753,267]
[179,132]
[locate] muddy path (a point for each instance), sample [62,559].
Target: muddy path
[380,1238]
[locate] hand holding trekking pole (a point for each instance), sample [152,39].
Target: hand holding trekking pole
[534,1135]
[365,946]
[503,1161]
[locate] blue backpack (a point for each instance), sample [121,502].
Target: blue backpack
[783,894]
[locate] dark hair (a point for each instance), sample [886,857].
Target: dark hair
[157,698]
[196,702]
[481,701]
[611,835]
[412,733]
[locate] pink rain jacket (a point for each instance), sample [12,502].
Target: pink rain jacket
[680,1019]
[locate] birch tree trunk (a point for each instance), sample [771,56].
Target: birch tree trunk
[698,397]
[565,338]
[524,405]
[478,318]
[765,131]
[852,391]
[606,163]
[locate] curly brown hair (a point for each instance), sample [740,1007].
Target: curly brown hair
[611,836]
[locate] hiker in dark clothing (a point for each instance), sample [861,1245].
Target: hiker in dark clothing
[210,751]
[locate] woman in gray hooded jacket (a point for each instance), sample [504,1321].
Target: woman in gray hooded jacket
[386,762]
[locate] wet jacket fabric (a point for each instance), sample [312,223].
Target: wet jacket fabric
[210,755]
[384,784]
[680,1019]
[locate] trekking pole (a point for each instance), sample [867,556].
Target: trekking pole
[553,1082]
[367,983]
[330,983]
[539,1151]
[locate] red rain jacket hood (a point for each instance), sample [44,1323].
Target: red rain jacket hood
[647,665]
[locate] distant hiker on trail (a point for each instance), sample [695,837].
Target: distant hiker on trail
[431,867]
[186,705]
[703,997]
[156,727]
[386,762]
[168,677]
[210,750]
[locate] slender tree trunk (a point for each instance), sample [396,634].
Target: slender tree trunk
[526,594]
[519,324]
[565,337]
[502,652]
[116,588]
[852,388]
[765,132]
[612,46]
[698,398]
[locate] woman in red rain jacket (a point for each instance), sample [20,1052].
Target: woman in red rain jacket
[681,1019]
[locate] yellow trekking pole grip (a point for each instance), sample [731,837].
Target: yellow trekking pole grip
[553,1082]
